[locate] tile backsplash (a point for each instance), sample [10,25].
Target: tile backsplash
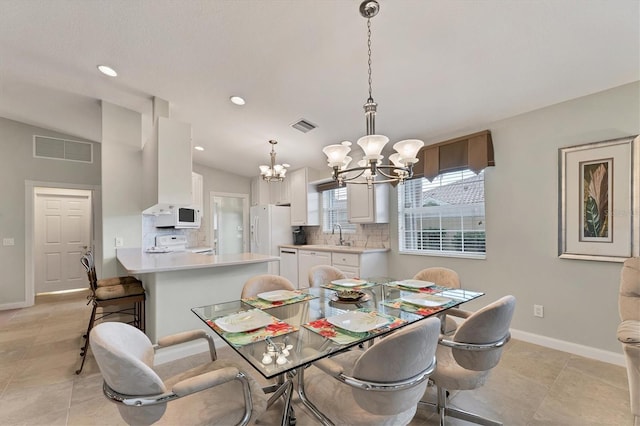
[366,236]
[195,237]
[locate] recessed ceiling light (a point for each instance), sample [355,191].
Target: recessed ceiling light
[106,70]
[198,148]
[237,100]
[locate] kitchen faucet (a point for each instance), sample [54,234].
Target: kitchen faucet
[333,231]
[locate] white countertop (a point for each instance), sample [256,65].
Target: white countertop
[137,261]
[336,249]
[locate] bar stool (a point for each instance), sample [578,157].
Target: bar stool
[122,296]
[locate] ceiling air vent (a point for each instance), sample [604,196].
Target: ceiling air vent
[303,125]
[62,149]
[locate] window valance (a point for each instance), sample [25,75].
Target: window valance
[474,152]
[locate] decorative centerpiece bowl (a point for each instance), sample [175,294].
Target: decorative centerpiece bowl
[349,295]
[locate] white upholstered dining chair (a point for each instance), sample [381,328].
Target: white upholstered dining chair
[466,359]
[379,386]
[629,329]
[323,274]
[263,283]
[218,392]
[444,277]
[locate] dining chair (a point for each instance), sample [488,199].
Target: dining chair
[379,386]
[466,359]
[629,329]
[216,392]
[263,283]
[323,274]
[117,298]
[444,277]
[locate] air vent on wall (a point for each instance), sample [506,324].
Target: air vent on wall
[62,149]
[303,125]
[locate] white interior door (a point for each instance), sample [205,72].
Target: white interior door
[229,216]
[62,235]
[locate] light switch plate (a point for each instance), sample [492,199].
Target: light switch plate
[119,241]
[8,242]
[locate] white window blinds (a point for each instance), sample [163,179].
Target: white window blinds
[334,210]
[444,217]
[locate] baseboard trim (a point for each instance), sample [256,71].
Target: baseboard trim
[14,305]
[572,348]
[184,350]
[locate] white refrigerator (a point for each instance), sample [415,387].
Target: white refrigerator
[270,226]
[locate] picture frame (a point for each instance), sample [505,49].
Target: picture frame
[599,215]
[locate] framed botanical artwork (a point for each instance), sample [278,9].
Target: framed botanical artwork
[599,216]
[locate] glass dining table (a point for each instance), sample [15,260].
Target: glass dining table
[281,331]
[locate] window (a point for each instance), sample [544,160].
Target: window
[443,217]
[334,210]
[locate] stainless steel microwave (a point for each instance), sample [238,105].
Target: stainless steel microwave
[180,217]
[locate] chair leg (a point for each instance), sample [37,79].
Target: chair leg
[85,348]
[444,410]
[143,323]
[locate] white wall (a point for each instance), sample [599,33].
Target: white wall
[121,182]
[18,165]
[580,298]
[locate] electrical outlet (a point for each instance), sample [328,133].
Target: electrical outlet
[538,311]
[119,241]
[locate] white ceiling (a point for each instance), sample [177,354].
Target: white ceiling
[439,66]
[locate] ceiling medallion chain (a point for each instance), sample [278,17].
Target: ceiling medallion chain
[274,172]
[370,169]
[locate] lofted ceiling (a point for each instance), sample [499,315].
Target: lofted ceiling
[440,67]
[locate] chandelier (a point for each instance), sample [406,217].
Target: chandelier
[273,172]
[370,168]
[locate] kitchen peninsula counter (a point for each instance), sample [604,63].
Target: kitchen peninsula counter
[137,261]
[175,282]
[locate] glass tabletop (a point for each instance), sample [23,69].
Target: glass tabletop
[314,323]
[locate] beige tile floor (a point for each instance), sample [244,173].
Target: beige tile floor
[39,352]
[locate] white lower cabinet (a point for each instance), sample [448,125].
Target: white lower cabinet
[308,259]
[363,265]
[367,264]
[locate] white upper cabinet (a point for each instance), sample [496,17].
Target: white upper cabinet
[263,192]
[260,192]
[167,164]
[280,192]
[368,205]
[305,200]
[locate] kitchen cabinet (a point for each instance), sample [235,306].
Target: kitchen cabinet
[167,166]
[197,191]
[308,259]
[368,205]
[305,199]
[354,263]
[260,192]
[280,192]
[263,192]
[360,265]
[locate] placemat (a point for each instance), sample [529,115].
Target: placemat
[429,290]
[343,337]
[276,328]
[256,302]
[414,309]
